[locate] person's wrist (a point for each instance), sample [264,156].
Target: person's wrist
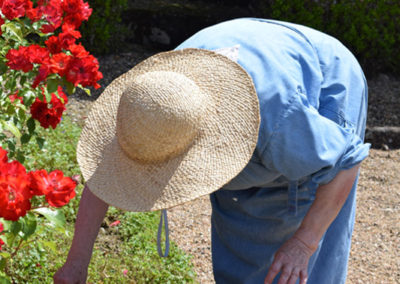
[308,238]
[77,258]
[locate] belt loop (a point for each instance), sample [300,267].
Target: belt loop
[292,197]
[160,227]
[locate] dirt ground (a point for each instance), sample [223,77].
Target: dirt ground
[375,253]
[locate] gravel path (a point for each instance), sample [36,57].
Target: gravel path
[376,240]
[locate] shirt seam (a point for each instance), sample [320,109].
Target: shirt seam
[346,123]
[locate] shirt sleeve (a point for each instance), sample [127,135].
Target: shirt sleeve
[305,143]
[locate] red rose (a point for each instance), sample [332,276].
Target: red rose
[34,14]
[53,13]
[3,156]
[59,63]
[14,199]
[18,59]
[14,191]
[83,70]
[76,12]
[13,169]
[39,184]
[49,114]
[53,44]
[74,20]
[79,51]
[72,6]
[12,9]
[68,36]
[37,54]
[62,189]
[24,57]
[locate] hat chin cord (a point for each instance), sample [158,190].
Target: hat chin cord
[163,219]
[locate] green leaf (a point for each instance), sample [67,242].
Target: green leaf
[40,96]
[70,87]
[31,125]
[14,31]
[9,239]
[29,96]
[56,216]
[11,109]
[21,114]
[22,81]
[11,83]
[52,85]
[4,48]
[47,94]
[51,245]
[11,146]
[15,227]
[25,138]
[29,226]
[87,91]
[40,142]
[8,125]
[20,156]
[3,67]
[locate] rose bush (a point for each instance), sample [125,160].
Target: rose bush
[40,63]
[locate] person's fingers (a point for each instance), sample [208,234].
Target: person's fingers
[273,270]
[303,276]
[286,272]
[294,276]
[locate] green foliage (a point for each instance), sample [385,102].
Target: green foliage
[58,150]
[104,32]
[130,246]
[32,263]
[309,12]
[133,246]
[369,28]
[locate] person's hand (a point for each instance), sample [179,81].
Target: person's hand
[71,273]
[292,261]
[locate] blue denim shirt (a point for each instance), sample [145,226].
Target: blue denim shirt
[307,131]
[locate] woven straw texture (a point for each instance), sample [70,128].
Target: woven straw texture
[215,133]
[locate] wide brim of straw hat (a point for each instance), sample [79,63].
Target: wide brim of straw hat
[222,149]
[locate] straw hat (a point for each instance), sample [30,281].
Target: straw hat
[177,126]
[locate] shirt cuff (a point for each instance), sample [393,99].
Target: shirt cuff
[355,153]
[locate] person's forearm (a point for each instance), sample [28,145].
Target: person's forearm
[90,216]
[329,200]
